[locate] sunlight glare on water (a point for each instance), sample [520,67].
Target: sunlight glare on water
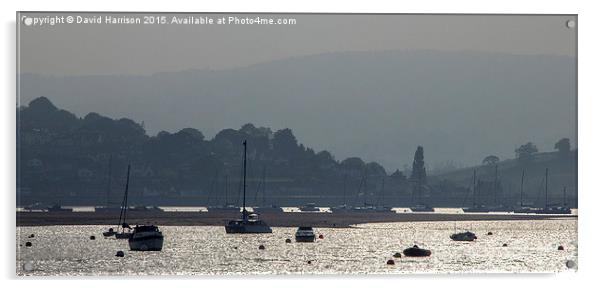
[198,250]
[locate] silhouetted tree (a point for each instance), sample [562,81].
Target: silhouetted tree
[525,152]
[398,176]
[418,169]
[563,146]
[491,160]
[418,176]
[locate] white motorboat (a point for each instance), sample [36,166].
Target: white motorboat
[305,234]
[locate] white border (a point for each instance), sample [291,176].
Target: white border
[589,136]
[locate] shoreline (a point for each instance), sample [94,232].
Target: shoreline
[287,219]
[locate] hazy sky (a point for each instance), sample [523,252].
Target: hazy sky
[510,92]
[83,49]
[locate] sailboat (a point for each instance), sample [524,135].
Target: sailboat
[226,207]
[344,207]
[475,207]
[381,207]
[108,207]
[266,208]
[524,208]
[420,206]
[366,207]
[123,214]
[248,223]
[554,208]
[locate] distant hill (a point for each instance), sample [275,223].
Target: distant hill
[562,173]
[461,106]
[70,160]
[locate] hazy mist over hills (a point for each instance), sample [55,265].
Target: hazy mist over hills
[461,106]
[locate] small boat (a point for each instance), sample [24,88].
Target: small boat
[554,208]
[268,209]
[109,233]
[309,207]
[422,208]
[464,236]
[249,223]
[224,208]
[36,207]
[142,208]
[146,238]
[416,251]
[305,234]
[58,208]
[124,234]
[341,209]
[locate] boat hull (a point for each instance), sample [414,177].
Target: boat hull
[416,252]
[247,229]
[305,238]
[146,243]
[124,235]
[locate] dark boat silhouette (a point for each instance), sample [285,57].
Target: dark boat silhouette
[248,223]
[416,251]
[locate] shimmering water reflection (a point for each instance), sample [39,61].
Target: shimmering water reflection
[196,250]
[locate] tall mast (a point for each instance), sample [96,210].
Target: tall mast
[546,188]
[345,190]
[382,192]
[124,202]
[522,181]
[244,177]
[495,198]
[474,187]
[263,186]
[127,185]
[226,189]
[109,182]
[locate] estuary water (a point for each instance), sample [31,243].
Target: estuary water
[532,246]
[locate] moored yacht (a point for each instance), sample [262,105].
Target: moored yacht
[249,223]
[123,234]
[305,234]
[422,208]
[146,238]
[268,209]
[224,208]
[309,207]
[463,236]
[59,208]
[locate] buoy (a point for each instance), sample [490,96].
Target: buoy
[31,236]
[504,245]
[235,247]
[321,236]
[92,237]
[571,264]
[560,247]
[27,244]
[489,233]
[287,240]
[261,247]
[390,262]
[119,254]
[308,261]
[28,266]
[397,255]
